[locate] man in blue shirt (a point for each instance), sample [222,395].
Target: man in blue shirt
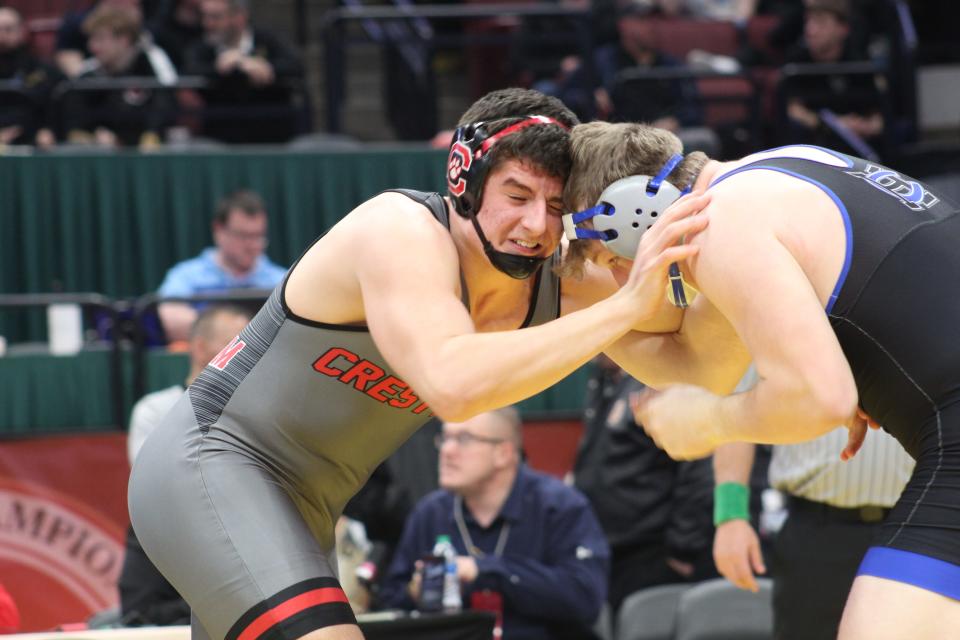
[527,542]
[236,261]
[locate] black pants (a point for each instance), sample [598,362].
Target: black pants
[636,568]
[815,559]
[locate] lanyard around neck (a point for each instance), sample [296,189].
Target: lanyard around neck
[472,549]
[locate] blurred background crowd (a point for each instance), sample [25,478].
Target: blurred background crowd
[127,128]
[730,76]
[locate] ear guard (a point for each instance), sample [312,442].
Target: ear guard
[625,210]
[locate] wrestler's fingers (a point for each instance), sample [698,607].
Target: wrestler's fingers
[873,424]
[756,559]
[684,207]
[675,254]
[857,434]
[675,232]
[638,404]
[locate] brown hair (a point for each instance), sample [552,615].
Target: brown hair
[603,153]
[121,21]
[544,147]
[209,317]
[243,200]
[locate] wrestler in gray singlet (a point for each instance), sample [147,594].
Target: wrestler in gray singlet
[236,494]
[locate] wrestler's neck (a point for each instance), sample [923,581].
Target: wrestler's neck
[711,170]
[486,501]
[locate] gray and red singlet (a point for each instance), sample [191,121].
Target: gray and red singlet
[236,494]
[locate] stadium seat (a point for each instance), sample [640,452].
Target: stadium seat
[650,614]
[757,33]
[717,610]
[603,627]
[30,9]
[680,36]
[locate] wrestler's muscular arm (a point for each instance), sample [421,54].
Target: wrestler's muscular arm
[754,279]
[706,351]
[409,277]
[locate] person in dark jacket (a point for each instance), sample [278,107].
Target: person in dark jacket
[25,108]
[524,540]
[130,116]
[655,512]
[252,74]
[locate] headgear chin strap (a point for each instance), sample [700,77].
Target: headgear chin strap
[624,212]
[467,168]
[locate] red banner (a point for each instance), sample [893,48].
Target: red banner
[551,445]
[63,519]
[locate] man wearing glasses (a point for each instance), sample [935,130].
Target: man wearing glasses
[237,261]
[529,546]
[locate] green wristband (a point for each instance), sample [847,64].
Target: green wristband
[731,501]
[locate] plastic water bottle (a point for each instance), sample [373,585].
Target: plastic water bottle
[432,581]
[774,512]
[451,580]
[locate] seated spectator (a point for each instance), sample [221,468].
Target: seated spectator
[131,116]
[177,27]
[236,261]
[526,541]
[71,46]
[146,598]
[821,109]
[672,104]
[251,72]
[25,117]
[656,512]
[668,104]
[546,48]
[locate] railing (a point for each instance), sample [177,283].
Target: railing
[125,330]
[741,89]
[867,71]
[87,301]
[336,41]
[13,94]
[298,106]
[143,307]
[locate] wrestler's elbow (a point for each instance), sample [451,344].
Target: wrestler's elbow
[833,401]
[449,401]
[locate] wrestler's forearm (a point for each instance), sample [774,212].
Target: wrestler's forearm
[733,462]
[476,372]
[776,412]
[706,352]
[660,360]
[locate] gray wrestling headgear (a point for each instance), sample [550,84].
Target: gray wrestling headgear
[625,210]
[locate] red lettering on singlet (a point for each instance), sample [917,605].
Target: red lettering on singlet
[364,372]
[389,384]
[385,388]
[222,359]
[407,399]
[322,364]
[421,408]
